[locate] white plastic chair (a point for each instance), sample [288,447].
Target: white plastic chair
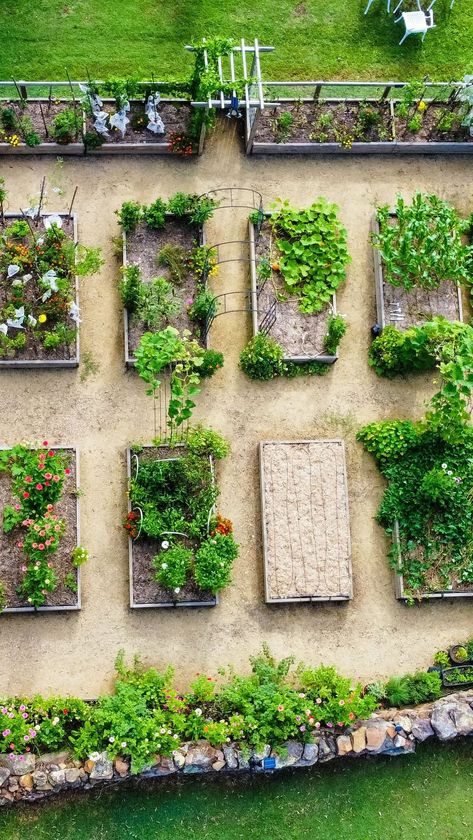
[417,23]
[370,3]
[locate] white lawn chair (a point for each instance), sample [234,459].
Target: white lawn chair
[370,3]
[416,23]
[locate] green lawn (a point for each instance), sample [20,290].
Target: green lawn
[313,39]
[422,797]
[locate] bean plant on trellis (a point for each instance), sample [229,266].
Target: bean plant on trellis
[181,356]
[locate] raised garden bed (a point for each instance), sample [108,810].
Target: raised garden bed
[460,676]
[31,113]
[331,126]
[176,116]
[67,594]
[140,248]
[37,351]
[305,519]
[457,590]
[170,513]
[274,311]
[397,307]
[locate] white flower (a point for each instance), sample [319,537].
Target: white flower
[52,220]
[111,739]
[123,744]
[94,756]
[444,466]
[198,712]
[449,472]
[175,737]
[165,544]
[164,565]
[55,721]
[177,590]
[158,746]
[162,731]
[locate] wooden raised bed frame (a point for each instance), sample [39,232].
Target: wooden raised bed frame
[43,364]
[73,608]
[379,280]
[427,596]
[323,358]
[59,149]
[309,597]
[130,360]
[211,602]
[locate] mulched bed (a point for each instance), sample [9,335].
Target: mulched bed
[145,589]
[307,115]
[297,333]
[33,111]
[12,558]
[176,119]
[429,130]
[142,247]
[34,350]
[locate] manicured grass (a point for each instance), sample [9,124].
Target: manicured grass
[415,798]
[313,39]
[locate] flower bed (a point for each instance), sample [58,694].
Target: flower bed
[165,266]
[180,551]
[39,292]
[305,519]
[39,544]
[405,304]
[22,130]
[293,293]
[366,126]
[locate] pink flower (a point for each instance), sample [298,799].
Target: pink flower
[39,486]
[42,533]
[6,732]
[35,545]
[45,442]
[22,707]
[302,728]
[28,479]
[19,545]
[41,546]
[280,708]
[23,568]
[42,456]
[49,507]
[24,715]
[26,737]
[50,565]
[17,507]
[41,466]
[55,478]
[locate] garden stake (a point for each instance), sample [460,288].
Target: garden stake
[71,204]
[41,199]
[44,121]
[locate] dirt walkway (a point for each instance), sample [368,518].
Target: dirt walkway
[103,412]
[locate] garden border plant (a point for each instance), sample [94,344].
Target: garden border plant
[297,268]
[72,362]
[38,565]
[194,569]
[189,210]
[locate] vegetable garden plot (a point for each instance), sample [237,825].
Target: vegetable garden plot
[39,292]
[40,126]
[305,519]
[175,120]
[180,550]
[40,556]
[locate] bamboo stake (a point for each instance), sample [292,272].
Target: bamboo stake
[44,121]
[71,204]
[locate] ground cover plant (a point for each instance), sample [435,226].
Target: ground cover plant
[301,259]
[39,555]
[183,550]
[164,280]
[39,262]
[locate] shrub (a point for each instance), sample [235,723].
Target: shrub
[130,287]
[204,307]
[262,358]
[173,257]
[336,329]
[212,361]
[155,214]
[8,118]
[181,204]
[214,561]
[173,566]
[413,688]
[417,349]
[202,441]
[129,215]
[389,440]
[442,658]
[66,126]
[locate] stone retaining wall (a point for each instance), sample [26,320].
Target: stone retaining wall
[391,732]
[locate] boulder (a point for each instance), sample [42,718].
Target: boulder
[442,722]
[400,741]
[121,766]
[309,756]
[18,764]
[218,765]
[72,775]
[327,748]
[179,759]
[62,757]
[13,785]
[40,780]
[164,766]
[231,759]
[421,728]
[463,718]
[404,721]
[89,765]
[290,755]
[102,769]
[375,735]
[243,760]
[200,757]
[4,774]
[57,777]
[358,738]
[344,744]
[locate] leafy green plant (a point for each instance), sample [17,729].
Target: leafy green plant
[173,566]
[463,674]
[212,360]
[203,307]
[129,215]
[418,348]
[8,118]
[336,329]
[413,688]
[155,214]
[312,245]
[66,126]
[282,126]
[130,287]
[157,303]
[214,561]
[423,245]
[442,658]
[262,358]
[173,257]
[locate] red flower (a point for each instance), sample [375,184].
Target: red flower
[50,454]
[39,486]
[26,495]
[68,472]
[28,479]
[65,711]
[45,442]
[41,466]
[41,546]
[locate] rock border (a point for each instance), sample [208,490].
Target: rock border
[27,778]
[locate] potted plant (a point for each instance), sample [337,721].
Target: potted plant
[458,654]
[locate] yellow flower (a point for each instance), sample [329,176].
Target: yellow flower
[42,318]
[422,105]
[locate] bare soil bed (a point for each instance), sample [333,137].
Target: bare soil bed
[327,122]
[404,309]
[34,350]
[12,558]
[145,590]
[306,528]
[297,333]
[142,247]
[429,130]
[176,119]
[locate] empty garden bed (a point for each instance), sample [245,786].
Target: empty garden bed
[305,519]
[63,562]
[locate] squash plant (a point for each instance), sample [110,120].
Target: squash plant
[313,253]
